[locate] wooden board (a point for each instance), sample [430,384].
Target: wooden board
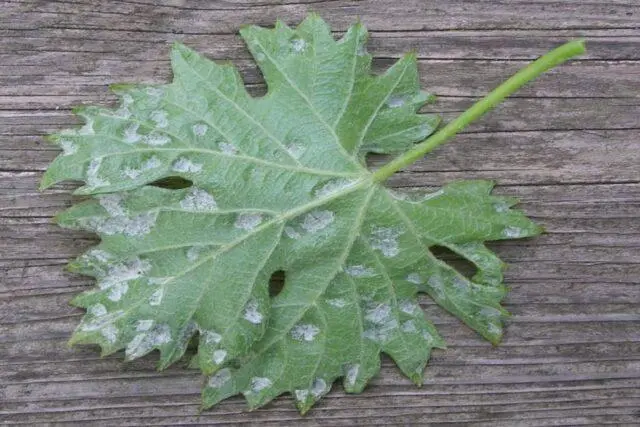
[568,146]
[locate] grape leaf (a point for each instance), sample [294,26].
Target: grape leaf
[276,183]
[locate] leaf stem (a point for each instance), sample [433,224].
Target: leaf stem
[522,77]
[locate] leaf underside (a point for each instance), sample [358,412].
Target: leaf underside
[278,183]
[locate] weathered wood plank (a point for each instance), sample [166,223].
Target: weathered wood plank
[567,146]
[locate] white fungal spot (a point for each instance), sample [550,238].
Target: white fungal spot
[382,323]
[127,99]
[437,285]
[185,165]
[408,306]
[501,207]
[93,180]
[99,255]
[291,232]
[359,271]
[87,129]
[219,356]
[144,325]
[385,240]
[117,291]
[112,203]
[144,342]
[415,279]
[121,224]
[337,302]
[97,310]
[220,378]
[409,326]
[316,220]
[131,135]
[252,314]
[156,92]
[248,221]
[427,336]
[122,113]
[156,139]
[396,101]
[296,150]
[304,332]
[193,253]
[102,321]
[490,312]
[333,186]
[124,272]
[301,395]
[160,118]
[494,329]
[351,374]
[260,56]
[512,232]
[211,337]
[156,297]
[228,148]
[298,45]
[151,163]
[199,129]
[379,314]
[198,200]
[68,147]
[318,387]
[110,333]
[460,285]
[259,383]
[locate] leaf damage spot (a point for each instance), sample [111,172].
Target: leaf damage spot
[304,332]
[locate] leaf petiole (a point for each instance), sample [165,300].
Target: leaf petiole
[522,77]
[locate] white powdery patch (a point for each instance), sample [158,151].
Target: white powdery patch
[292,233]
[143,343]
[304,332]
[134,226]
[460,285]
[93,180]
[501,207]
[513,232]
[144,325]
[295,150]
[97,310]
[156,297]
[333,186]
[156,92]
[248,221]
[494,329]
[151,163]
[415,279]
[124,272]
[408,306]
[110,333]
[185,165]
[362,50]
[112,203]
[260,56]
[220,378]
[117,291]
[385,239]
[351,374]
[259,383]
[318,387]
[131,135]
[432,195]
[199,129]
[359,271]
[301,395]
[317,220]
[219,356]
[193,253]
[87,129]
[381,323]
[396,101]
[99,255]
[68,147]
[298,45]
[211,337]
[228,148]
[409,326]
[490,312]
[160,118]
[426,335]
[156,139]
[337,302]
[378,314]
[437,285]
[252,314]
[198,200]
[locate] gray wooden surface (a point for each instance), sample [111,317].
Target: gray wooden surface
[569,146]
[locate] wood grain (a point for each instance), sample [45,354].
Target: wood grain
[568,146]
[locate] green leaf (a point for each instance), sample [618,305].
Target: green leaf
[278,183]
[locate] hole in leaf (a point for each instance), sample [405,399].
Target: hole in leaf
[276,283]
[463,266]
[172,183]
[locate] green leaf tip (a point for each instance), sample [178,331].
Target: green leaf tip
[278,183]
